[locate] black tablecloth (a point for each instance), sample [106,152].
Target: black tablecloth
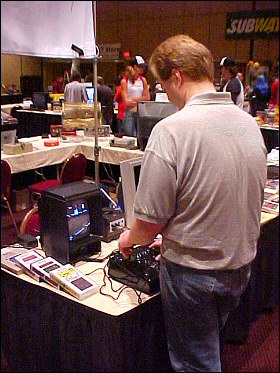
[44,332]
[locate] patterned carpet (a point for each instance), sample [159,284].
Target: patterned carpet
[259,354]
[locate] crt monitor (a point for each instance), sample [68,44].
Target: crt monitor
[71,221]
[130,174]
[41,100]
[78,219]
[87,84]
[90,94]
[149,113]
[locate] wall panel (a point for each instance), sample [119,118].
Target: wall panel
[31,65]
[129,36]
[197,27]
[152,11]
[128,10]
[149,36]
[108,33]
[266,50]
[10,70]
[171,9]
[217,45]
[107,11]
[230,6]
[242,50]
[168,28]
[264,5]
[13,66]
[197,7]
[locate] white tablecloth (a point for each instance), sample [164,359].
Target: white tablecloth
[6,109]
[110,305]
[42,156]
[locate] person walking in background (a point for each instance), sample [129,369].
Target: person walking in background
[121,109]
[58,85]
[75,91]
[260,96]
[134,89]
[105,96]
[274,99]
[231,82]
[210,218]
[246,90]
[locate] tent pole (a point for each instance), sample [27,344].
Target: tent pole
[96,147]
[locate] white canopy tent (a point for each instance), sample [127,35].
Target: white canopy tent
[49,29]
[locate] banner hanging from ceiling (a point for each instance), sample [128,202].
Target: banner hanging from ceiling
[259,24]
[47,28]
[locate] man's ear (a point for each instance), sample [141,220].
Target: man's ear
[177,76]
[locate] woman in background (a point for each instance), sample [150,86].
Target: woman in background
[134,88]
[260,96]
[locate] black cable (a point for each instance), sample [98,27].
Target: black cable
[94,270]
[97,259]
[119,290]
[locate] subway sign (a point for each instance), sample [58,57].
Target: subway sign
[259,24]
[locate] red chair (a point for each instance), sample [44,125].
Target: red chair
[14,110]
[6,176]
[73,169]
[31,223]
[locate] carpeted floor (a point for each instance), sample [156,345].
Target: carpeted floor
[259,354]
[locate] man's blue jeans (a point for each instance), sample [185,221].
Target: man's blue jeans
[196,304]
[130,123]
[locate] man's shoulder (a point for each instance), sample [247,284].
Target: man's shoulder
[234,84]
[236,81]
[105,94]
[108,89]
[104,88]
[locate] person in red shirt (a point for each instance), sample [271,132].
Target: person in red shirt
[121,109]
[58,85]
[274,99]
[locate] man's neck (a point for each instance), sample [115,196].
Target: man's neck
[193,88]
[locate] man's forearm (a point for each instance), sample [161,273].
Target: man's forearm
[142,233]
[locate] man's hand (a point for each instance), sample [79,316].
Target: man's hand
[157,243]
[140,233]
[124,244]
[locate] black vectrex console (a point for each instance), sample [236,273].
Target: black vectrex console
[140,271]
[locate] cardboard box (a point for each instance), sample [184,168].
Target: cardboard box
[20,200]
[18,148]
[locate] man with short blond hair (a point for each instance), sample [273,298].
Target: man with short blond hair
[201,187]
